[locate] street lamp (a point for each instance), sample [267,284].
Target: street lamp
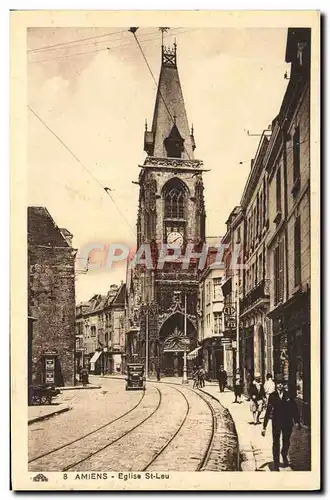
[185,378]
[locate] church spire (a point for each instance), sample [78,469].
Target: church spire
[169,136]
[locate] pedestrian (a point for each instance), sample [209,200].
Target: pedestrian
[269,385]
[196,378]
[283,411]
[258,398]
[158,373]
[201,377]
[237,386]
[222,377]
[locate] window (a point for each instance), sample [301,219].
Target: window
[257,216]
[174,204]
[296,157]
[264,205]
[217,323]
[93,331]
[278,190]
[217,292]
[297,252]
[260,268]
[174,195]
[257,272]
[279,273]
[253,276]
[238,235]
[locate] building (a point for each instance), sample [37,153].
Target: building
[232,287]
[100,332]
[51,301]
[288,170]
[210,314]
[256,338]
[81,358]
[171,212]
[114,311]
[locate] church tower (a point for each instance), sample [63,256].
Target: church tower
[171,211]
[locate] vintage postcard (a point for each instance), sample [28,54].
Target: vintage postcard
[165,250]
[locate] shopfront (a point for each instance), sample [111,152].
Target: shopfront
[291,344]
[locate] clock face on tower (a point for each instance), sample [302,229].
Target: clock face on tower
[175,239]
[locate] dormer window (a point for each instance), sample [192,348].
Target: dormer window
[174,143]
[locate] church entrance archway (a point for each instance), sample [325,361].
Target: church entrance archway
[172,344]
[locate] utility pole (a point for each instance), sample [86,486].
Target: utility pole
[147,343]
[184,378]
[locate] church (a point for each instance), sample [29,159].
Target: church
[161,320]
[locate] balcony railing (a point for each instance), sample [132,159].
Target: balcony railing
[259,292]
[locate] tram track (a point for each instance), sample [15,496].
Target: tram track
[84,436]
[208,450]
[202,463]
[124,434]
[158,455]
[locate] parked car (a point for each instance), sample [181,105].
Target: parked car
[135,376]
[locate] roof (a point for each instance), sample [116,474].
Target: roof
[256,170]
[42,229]
[119,298]
[96,304]
[295,35]
[170,107]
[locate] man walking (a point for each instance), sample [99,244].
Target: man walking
[269,385]
[222,377]
[283,411]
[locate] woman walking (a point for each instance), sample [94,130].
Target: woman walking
[258,399]
[237,387]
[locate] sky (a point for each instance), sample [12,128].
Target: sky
[95,95]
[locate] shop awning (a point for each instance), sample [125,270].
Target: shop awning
[193,354]
[95,356]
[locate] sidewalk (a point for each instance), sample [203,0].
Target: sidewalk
[256,450]
[41,412]
[78,387]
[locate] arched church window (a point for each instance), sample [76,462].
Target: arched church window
[174,204]
[174,196]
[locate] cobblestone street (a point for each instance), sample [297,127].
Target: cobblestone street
[167,427]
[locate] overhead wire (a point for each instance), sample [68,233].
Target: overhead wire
[80,163]
[52,47]
[109,48]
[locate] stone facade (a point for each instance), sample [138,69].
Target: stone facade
[51,298]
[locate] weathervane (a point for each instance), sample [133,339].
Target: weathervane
[163,30]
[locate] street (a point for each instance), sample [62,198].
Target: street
[167,427]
